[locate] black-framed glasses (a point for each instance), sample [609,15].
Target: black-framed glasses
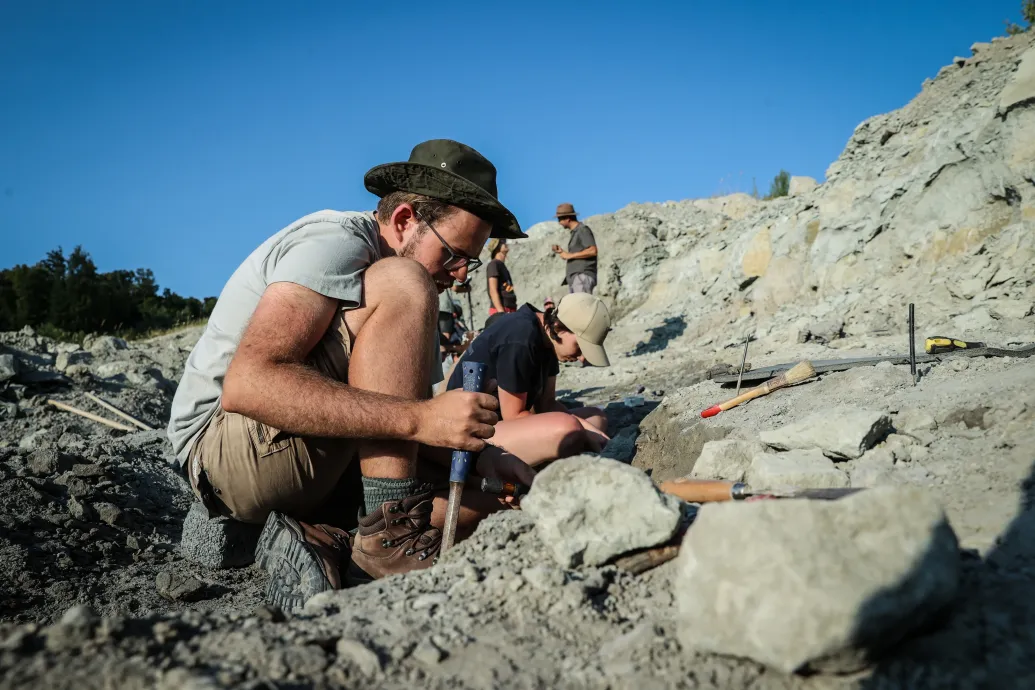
[456,260]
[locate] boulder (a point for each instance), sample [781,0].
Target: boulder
[841,433]
[801,184]
[728,459]
[8,367]
[217,542]
[821,585]
[589,510]
[66,359]
[805,469]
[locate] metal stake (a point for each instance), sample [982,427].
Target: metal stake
[743,361]
[912,344]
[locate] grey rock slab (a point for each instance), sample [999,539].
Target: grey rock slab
[727,459]
[589,510]
[109,513]
[66,359]
[46,461]
[805,469]
[1022,87]
[217,542]
[8,367]
[840,432]
[827,585]
[177,586]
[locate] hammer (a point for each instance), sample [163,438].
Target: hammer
[460,465]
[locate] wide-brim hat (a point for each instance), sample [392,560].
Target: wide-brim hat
[565,210]
[451,172]
[587,317]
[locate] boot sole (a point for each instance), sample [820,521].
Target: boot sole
[295,570]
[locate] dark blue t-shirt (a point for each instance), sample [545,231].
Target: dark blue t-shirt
[516,354]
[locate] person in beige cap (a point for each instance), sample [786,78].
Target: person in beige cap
[580,274]
[522,353]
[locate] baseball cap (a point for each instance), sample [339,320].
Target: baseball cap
[587,317]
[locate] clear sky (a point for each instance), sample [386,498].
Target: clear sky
[177,135]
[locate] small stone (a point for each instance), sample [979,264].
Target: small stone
[543,577]
[427,601]
[727,459]
[176,586]
[806,469]
[8,367]
[109,513]
[88,470]
[841,433]
[47,461]
[66,359]
[81,511]
[959,364]
[132,542]
[915,420]
[589,510]
[818,585]
[428,653]
[354,653]
[217,542]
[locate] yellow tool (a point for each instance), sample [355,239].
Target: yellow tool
[938,344]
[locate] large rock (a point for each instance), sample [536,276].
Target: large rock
[217,542]
[727,459]
[801,184]
[841,433]
[820,584]
[589,510]
[8,367]
[104,345]
[66,359]
[805,469]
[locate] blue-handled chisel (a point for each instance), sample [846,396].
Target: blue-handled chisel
[460,465]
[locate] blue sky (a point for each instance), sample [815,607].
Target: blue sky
[178,135]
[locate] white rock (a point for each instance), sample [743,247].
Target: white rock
[800,184]
[588,510]
[821,584]
[806,469]
[840,432]
[727,459]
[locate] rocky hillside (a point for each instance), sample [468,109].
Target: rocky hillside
[110,576]
[933,204]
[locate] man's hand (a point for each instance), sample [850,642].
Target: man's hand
[458,419]
[509,468]
[556,249]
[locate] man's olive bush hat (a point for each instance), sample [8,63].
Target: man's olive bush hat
[451,172]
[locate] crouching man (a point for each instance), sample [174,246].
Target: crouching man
[307,399]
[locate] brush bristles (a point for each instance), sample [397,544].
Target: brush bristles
[802,371]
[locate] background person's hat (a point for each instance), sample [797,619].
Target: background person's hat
[565,210]
[587,317]
[451,172]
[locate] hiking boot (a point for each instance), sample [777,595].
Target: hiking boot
[396,538]
[301,559]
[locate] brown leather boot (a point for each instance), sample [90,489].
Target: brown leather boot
[396,538]
[301,559]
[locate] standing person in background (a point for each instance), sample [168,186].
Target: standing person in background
[581,271]
[502,298]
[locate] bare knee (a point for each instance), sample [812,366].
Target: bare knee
[568,433]
[397,280]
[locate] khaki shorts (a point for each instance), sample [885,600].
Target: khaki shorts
[244,469]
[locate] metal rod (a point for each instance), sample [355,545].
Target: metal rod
[912,344]
[452,515]
[743,361]
[114,410]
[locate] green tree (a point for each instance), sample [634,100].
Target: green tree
[781,185]
[1027,14]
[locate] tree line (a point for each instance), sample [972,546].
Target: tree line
[66,296]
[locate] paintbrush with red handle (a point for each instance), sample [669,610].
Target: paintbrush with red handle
[800,372]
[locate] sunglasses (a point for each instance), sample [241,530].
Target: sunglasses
[456,260]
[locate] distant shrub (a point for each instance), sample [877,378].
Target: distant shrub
[1027,14]
[781,185]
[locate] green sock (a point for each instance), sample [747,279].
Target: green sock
[378,490]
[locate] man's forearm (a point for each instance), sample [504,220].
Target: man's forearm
[584,254]
[310,404]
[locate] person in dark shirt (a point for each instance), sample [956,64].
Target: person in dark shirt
[580,273]
[502,298]
[522,353]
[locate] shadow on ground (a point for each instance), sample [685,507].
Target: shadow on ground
[660,336]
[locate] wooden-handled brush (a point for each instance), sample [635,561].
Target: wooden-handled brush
[800,372]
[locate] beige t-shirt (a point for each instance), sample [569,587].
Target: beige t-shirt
[326,252]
